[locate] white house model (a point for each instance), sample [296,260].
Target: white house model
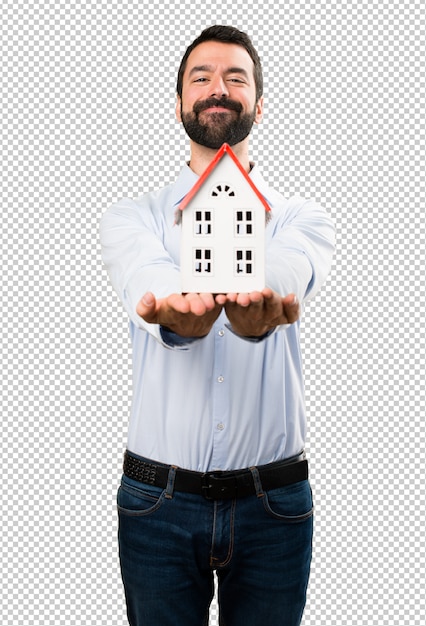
[223,230]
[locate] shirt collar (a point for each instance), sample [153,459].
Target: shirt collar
[184,183]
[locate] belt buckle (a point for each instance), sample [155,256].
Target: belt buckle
[215,487]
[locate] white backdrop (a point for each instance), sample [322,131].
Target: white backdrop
[87,112]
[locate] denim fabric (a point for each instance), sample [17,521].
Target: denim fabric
[171,542]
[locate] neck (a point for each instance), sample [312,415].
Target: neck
[201,156]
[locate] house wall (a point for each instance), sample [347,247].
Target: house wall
[227,229]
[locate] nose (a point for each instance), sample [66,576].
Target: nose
[218,87]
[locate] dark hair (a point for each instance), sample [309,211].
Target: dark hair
[224,34]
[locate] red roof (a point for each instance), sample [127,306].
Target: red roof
[225,149]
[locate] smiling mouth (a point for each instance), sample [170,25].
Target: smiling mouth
[213,105]
[216,109]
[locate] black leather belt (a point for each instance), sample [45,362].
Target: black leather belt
[218,485]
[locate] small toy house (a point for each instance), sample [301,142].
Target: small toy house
[223,230]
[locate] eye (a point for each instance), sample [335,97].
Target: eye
[236,80]
[201,79]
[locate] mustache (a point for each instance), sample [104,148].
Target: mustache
[225,103]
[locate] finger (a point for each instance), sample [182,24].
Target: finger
[290,299]
[208,300]
[225,298]
[179,303]
[220,299]
[267,293]
[146,307]
[243,299]
[256,297]
[249,299]
[291,308]
[199,304]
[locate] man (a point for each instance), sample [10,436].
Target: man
[215,477]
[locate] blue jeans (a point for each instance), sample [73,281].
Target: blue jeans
[171,542]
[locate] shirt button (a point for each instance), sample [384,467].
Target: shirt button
[220,379]
[221,332]
[220,426]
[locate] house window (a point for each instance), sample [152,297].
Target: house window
[223,189]
[244,222]
[203,261]
[203,222]
[244,262]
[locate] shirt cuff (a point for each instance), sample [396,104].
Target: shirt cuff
[252,339]
[173,340]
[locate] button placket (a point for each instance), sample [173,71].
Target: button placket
[220,406]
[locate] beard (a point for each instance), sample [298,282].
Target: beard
[221,127]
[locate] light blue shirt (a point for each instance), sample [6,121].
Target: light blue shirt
[220,402]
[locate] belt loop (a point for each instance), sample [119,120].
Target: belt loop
[171,482]
[257,482]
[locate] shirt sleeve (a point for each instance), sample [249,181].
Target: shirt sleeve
[131,236]
[300,251]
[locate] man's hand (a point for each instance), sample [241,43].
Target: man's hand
[254,314]
[187,315]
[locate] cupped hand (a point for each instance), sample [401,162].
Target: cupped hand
[256,313]
[187,315]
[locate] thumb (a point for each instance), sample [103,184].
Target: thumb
[291,300]
[146,305]
[291,308]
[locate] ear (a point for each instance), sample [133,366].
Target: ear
[177,108]
[259,110]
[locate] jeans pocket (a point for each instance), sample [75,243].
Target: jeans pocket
[137,499]
[292,504]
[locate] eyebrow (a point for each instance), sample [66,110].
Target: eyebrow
[210,68]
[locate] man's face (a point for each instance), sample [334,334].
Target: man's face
[218,102]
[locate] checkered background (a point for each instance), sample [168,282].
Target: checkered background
[87,117]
